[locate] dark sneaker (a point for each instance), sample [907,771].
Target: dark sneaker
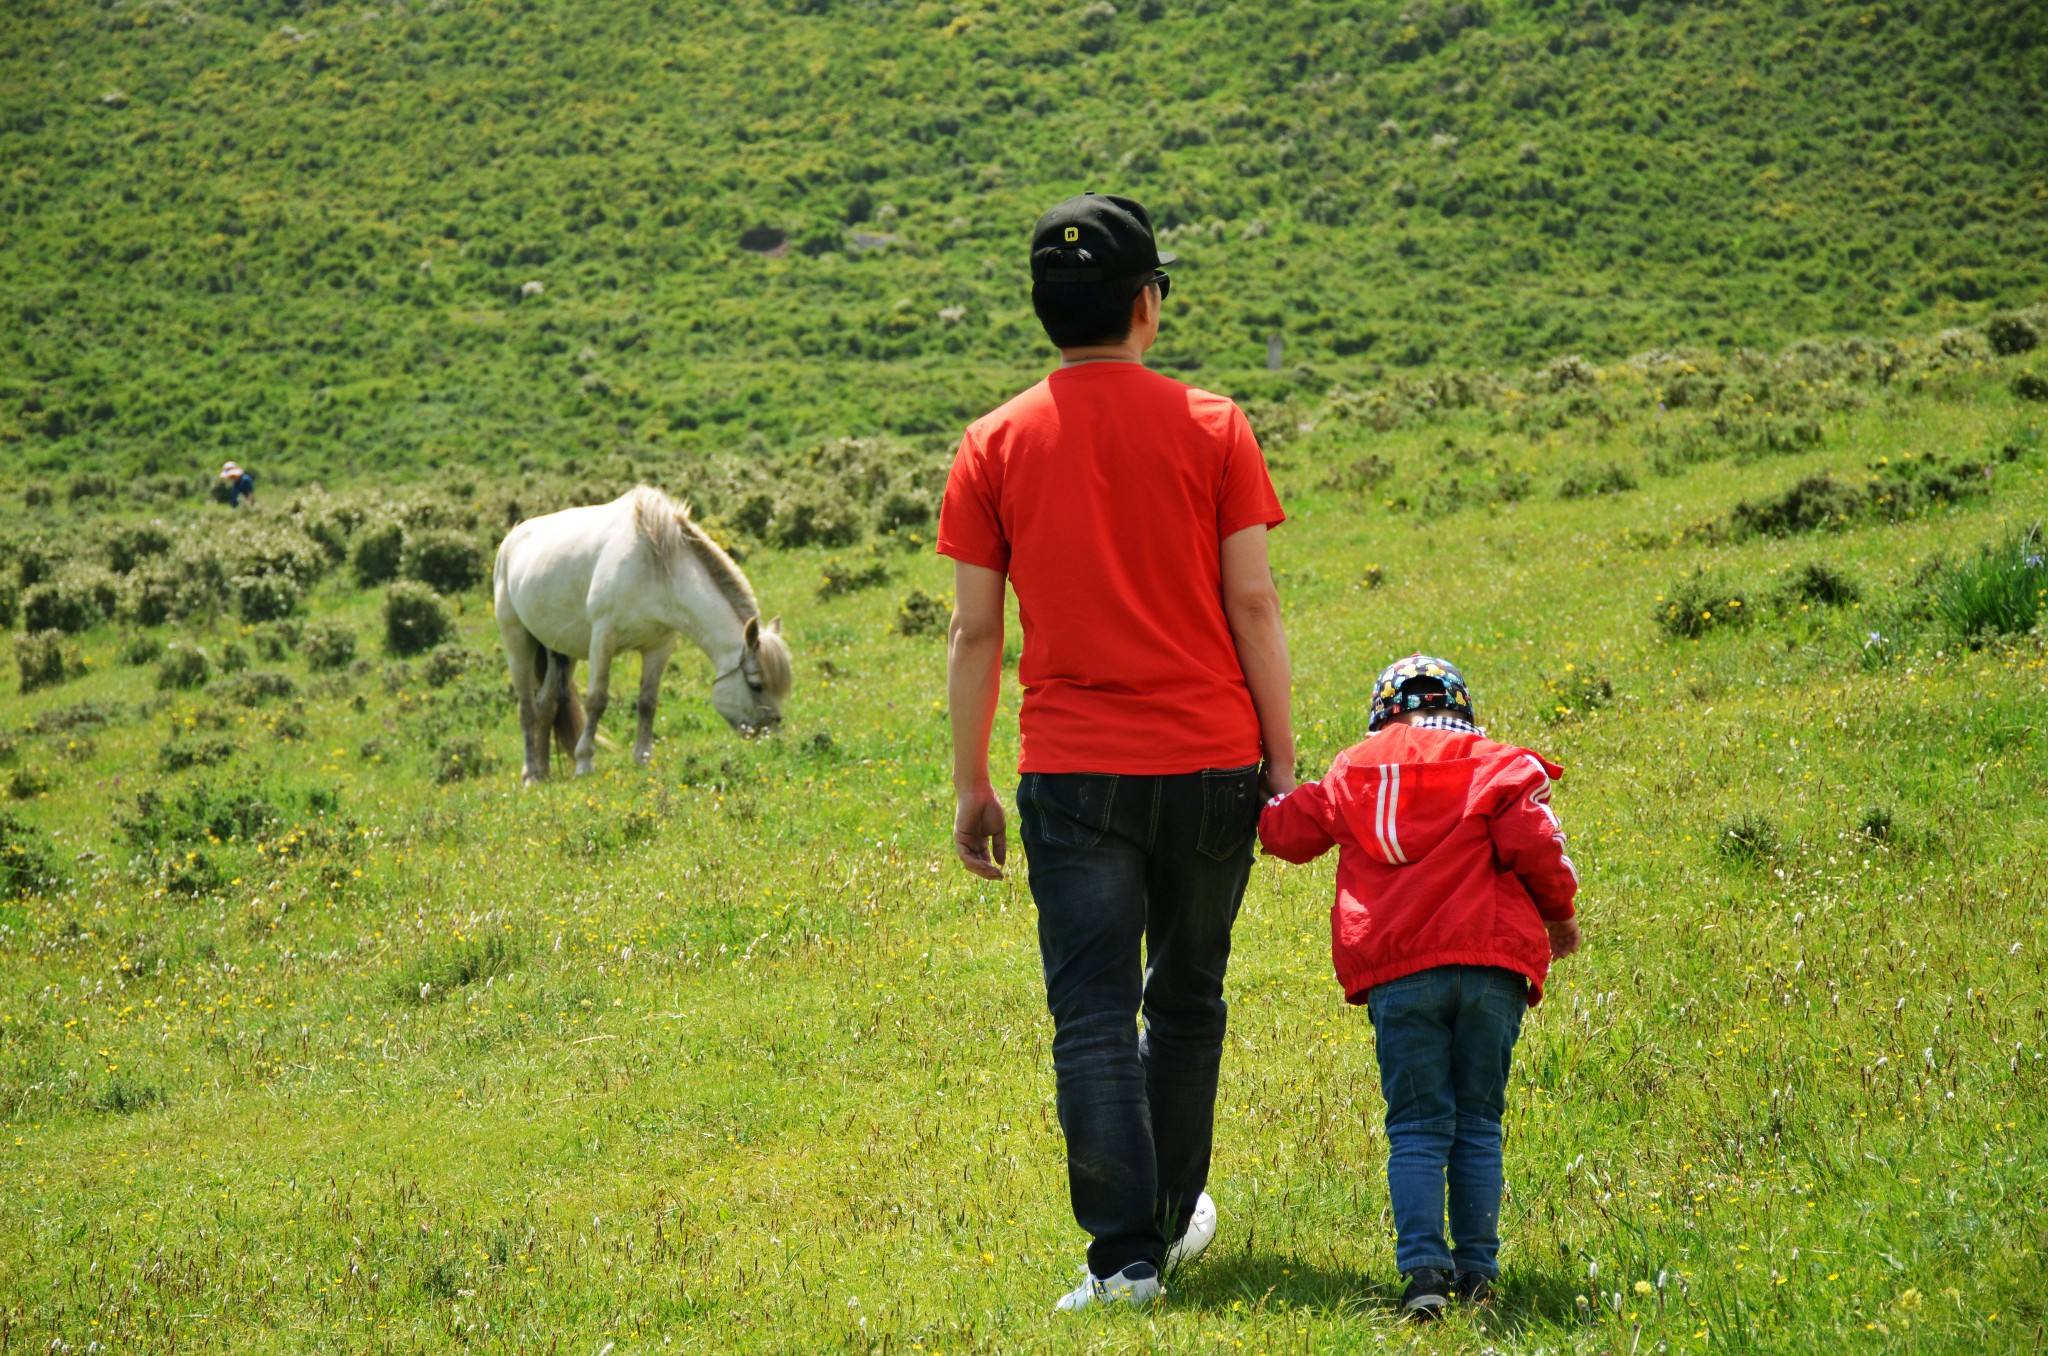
[1472,1289]
[1429,1290]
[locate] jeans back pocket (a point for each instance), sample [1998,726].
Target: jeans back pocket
[1230,811]
[1066,809]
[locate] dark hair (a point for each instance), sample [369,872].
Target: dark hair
[1077,314]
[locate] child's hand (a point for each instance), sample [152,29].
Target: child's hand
[1564,936]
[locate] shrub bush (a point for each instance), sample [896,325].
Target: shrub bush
[124,1095]
[151,598]
[1815,502]
[183,667]
[178,753]
[10,602]
[1877,823]
[80,715]
[254,689]
[904,510]
[265,597]
[436,974]
[2010,334]
[78,599]
[458,760]
[1586,483]
[45,659]
[234,657]
[415,618]
[2030,386]
[1576,692]
[27,866]
[378,551]
[1570,372]
[204,811]
[1819,582]
[447,663]
[843,576]
[141,650]
[444,561]
[38,559]
[817,517]
[26,783]
[329,521]
[129,544]
[283,552]
[1697,604]
[91,485]
[920,614]
[37,496]
[328,645]
[1749,837]
[1999,591]
[275,641]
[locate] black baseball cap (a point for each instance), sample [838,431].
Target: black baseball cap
[1096,237]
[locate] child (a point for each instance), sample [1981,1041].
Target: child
[1454,894]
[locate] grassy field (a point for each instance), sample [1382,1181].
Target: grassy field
[318,1033]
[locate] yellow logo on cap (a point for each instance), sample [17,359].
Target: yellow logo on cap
[1073,233]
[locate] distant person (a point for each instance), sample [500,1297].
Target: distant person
[1454,894]
[1130,513]
[240,485]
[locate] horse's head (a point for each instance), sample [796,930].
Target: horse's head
[750,695]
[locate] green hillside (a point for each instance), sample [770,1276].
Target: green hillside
[301,236]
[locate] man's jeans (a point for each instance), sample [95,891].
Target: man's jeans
[1446,1036]
[1118,863]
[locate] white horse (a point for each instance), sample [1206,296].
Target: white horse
[634,574]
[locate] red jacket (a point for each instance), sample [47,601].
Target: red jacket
[1447,854]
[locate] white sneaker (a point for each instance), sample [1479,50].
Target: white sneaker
[1136,1285]
[1201,1228]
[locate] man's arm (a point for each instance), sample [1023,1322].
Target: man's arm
[974,677]
[1252,606]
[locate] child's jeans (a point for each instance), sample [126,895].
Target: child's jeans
[1446,1036]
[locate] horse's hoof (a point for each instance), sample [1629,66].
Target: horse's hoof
[585,769]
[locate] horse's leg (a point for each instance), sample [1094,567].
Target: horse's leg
[601,653]
[547,703]
[652,662]
[523,656]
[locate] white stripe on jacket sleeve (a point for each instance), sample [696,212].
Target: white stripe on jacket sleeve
[1393,808]
[1383,809]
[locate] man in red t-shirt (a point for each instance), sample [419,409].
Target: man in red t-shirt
[1130,512]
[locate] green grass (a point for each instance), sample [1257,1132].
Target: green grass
[316,1048]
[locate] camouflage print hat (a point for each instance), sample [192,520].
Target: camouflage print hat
[1440,687]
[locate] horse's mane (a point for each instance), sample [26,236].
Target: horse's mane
[668,530]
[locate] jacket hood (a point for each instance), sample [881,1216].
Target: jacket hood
[1404,789]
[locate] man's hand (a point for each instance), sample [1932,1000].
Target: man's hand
[979,835]
[1276,779]
[1564,936]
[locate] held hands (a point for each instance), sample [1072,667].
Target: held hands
[1564,936]
[980,835]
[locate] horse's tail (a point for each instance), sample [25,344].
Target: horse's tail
[569,709]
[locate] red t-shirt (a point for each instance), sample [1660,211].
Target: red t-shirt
[1105,493]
